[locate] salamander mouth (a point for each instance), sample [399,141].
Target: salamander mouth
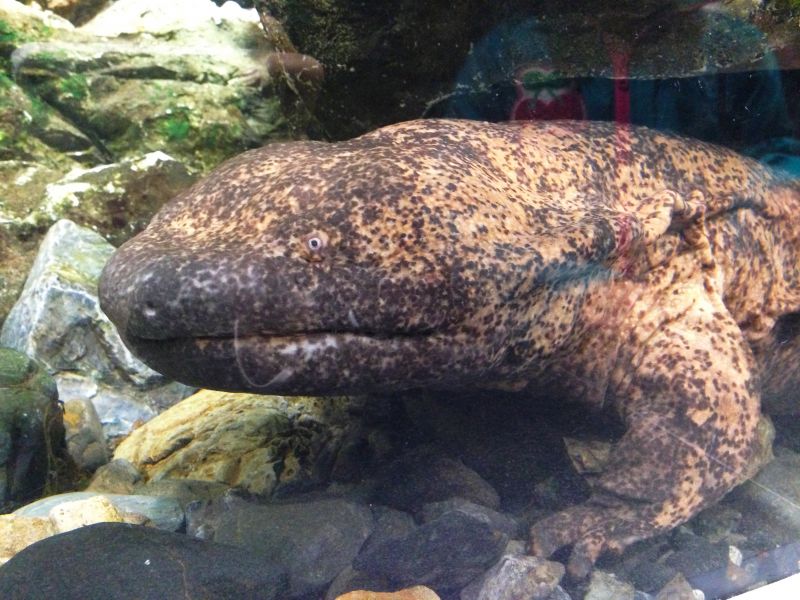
[315,362]
[277,337]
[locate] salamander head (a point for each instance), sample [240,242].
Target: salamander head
[389,261]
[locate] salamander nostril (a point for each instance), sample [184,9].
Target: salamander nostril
[149,310]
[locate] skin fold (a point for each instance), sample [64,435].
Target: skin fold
[633,271]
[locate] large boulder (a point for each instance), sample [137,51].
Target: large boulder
[58,321]
[127,562]
[259,443]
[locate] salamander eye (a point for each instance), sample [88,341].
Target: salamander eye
[313,246]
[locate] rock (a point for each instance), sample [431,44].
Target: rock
[677,589]
[259,443]
[39,146]
[184,491]
[516,578]
[446,552]
[161,512]
[17,533]
[560,594]
[30,22]
[496,520]
[31,427]
[695,555]
[128,562]
[79,513]
[769,502]
[86,442]
[419,592]
[76,11]
[605,586]
[16,258]
[186,77]
[643,565]
[390,525]
[588,456]
[313,540]
[187,20]
[117,477]
[58,320]
[23,528]
[717,523]
[351,580]
[501,439]
[422,476]
[116,199]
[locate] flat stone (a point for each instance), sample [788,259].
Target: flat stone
[313,540]
[129,562]
[79,513]
[162,512]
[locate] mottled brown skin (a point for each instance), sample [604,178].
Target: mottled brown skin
[623,268]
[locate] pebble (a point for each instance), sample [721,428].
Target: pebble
[677,589]
[605,586]
[516,578]
[419,592]
[86,442]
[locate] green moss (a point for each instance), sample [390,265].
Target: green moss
[176,127]
[39,110]
[8,35]
[46,56]
[75,87]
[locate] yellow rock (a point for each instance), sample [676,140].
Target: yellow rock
[419,592]
[71,515]
[17,533]
[236,439]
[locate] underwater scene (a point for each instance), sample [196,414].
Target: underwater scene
[412,300]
